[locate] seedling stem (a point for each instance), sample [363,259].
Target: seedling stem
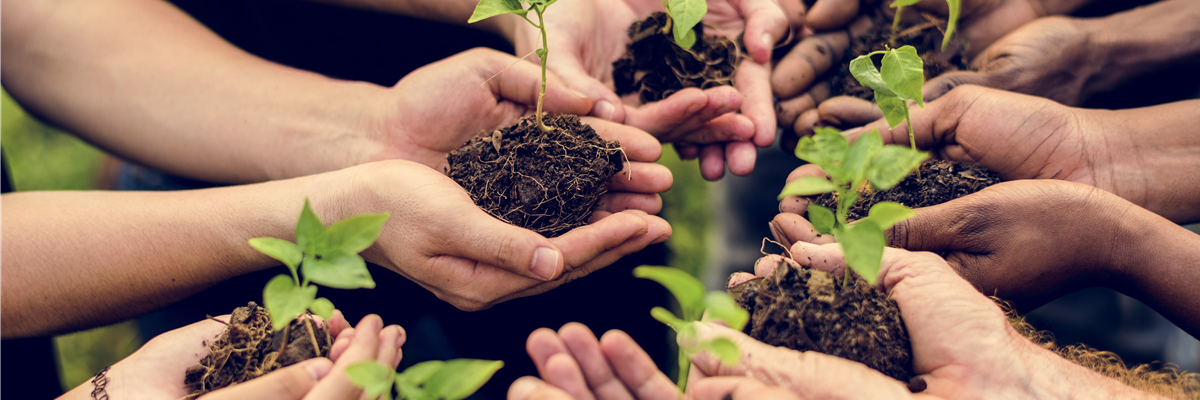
[541,25]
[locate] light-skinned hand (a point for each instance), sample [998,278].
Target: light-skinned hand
[575,363]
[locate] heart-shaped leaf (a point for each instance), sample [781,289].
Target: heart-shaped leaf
[807,186]
[285,301]
[685,14]
[822,219]
[903,71]
[722,308]
[460,378]
[892,164]
[374,378]
[862,244]
[865,73]
[322,307]
[859,156]
[491,8]
[310,231]
[286,252]
[356,233]
[688,290]
[887,213]
[338,269]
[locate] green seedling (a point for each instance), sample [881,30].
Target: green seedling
[951,23]
[850,166]
[898,81]
[430,380]
[693,302]
[684,15]
[491,8]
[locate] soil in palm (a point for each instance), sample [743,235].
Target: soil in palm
[249,348]
[548,182]
[654,67]
[940,181]
[926,36]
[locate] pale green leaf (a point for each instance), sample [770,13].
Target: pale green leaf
[821,218]
[904,3]
[686,337]
[310,231]
[862,244]
[338,269]
[903,71]
[892,164]
[356,233]
[409,383]
[491,8]
[952,22]
[826,149]
[685,14]
[688,290]
[541,54]
[865,73]
[374,378]
[860,154]
[887,213]
[285,301]
[721,307]
[322,307]
[667,318]
[807,186]
[725,350]
[687,40]
[286,252]
[460,378]
[893,109]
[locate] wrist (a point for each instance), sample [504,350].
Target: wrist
[1142,40]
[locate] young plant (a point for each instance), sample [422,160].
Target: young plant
[430,380]
[323,256]
[850,166]
[693,302]
[951,22]
[491,8]
[898,81]
[684,15]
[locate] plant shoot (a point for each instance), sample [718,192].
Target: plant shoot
[954,6]
[684,15]
[898,81]
[491,8]
[429,380]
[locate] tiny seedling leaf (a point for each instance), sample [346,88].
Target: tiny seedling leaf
[893,109]
[374,378]
[725,350]
[310,231]
[952,23]
[685,14]
[892,164]
[864,71]
[859,156]
[821,218]
[666,317]
[886,213]
[460,378]
[688,290]
[807,186]
[541,54]
[356,233]
[687,40]
[491,8]
[903,72]
[338,269]
[904,3]
[284,301]
[862,244]
[323,308]
[286,252]
[408,383]
[826,149]
[722,308]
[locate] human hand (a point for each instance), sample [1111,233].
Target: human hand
[575,365]
[440,240]
[587,36]
[736,388]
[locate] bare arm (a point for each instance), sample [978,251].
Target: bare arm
[145,81]
[448,11]
[1144,40]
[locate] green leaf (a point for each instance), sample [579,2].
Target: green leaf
[284,301]
[686,337]
[722,308]
[286,252]
[952,24]
[826,149]
[860,154]
[338,269]
[374,378]
[322,307]
[409,382]
[310,231]
[903,71]
[887,213]
[491,8]
[356,233]
[667,318]
[725,350]
[821,218]
[541,54]
[688,290]
[460,378]
[862,244]
[686,14]
[807,186]
[904,3]
[892,164]
[893,109]
[865,73]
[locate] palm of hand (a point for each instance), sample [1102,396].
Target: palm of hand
[156,370]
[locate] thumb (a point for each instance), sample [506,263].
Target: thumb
[931,229]
[290,383]
[485,239]
[944,83]
[607,105]
[521,82]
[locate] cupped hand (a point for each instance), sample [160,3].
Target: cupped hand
[587,36]
[573,362]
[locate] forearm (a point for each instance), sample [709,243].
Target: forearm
[1051,376]
[448,11]
[1143,40]
[1160,267]
[74,260]
[143,80]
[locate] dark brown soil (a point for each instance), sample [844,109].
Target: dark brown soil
[810,310]
[249,349]
[940,182]
[925,36]
[654,67]
[546,182]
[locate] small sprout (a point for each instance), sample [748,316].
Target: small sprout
[689,292]
[899,80]
[491,8]
[951,23]
[684,15]
[429,380]
[850,166]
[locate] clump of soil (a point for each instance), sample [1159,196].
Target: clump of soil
[547,182]
[940,181]
[810,310]
[926,37]
[250,348]
[655,67]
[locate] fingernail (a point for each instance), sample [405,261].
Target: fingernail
[605,110]
[545,261]
[522,388]
[577,94]
[401,336]
[318,369]
[694,108]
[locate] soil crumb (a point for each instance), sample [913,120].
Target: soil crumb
[940,182]
[548,182]
[655,67]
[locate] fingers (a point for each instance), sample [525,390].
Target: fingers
[521,82]
[731,127]
[635,368]
[530,388]
[485,239]
[712,161]
[740,157]
[831,14]
[607,104]
[584,244]
[932,228]
[753,80]
[794,228]
[799,204]
[592,363]
[390,341]
[673,118]
[338,323]
[289,383]
[824,257]
[616,202]
[765,25]
[944,83]
[739,278]
[811,58]
[601,253]
[341,343]
[736,388]
[563,372]
[787,111]
[637,144]
[363,346]
[847,111]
